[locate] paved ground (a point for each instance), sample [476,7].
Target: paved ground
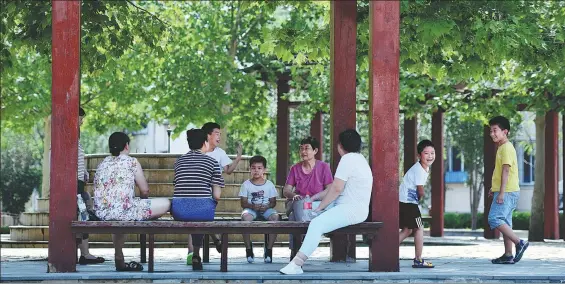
[458,259]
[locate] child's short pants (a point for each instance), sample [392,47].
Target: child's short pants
[409,216]
[500,214]
[265,214]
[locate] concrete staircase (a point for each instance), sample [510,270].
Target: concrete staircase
[158,170]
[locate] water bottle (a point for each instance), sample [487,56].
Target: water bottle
[307,208]
[82,212]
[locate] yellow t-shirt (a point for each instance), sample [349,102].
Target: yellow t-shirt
[506,155]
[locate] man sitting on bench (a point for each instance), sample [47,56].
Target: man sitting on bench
[258,198]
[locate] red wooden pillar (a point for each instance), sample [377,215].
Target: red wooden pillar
[283,126]
[410,142]
[343,34]
[65,92]
[563,169]
[551,206]
[438,181]
[384,54]
[317,131]
[489,156]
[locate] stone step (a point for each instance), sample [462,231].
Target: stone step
[41,233]
[167,190]
[157,161]
[42,218]
[167,176]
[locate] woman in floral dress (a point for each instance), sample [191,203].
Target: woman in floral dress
[114,194]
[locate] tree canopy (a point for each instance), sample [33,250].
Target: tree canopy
[187,61]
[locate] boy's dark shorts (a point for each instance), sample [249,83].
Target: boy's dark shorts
[409,216]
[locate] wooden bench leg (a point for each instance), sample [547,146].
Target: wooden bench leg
[142,247]
[352,248]
[206,249]
[373,254]
[151,251]
[224,257]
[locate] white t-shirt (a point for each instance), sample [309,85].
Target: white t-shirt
[415,176]
[258,194]
[355,171]
[220,155]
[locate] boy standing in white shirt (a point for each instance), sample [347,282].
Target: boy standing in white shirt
[411,192]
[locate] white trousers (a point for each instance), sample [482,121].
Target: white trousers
[340,216]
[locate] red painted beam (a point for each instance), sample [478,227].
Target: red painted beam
[343,47]
[65,92]
[438,179]
[283,126]
[317,131]
[551,206]
[384,70]
[410,142]
[489,155]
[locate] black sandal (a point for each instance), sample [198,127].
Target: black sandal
[131,266]
[197,263]
[84,261]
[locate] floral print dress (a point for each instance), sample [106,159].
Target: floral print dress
[114,191]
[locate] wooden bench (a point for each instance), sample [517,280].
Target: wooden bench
[222,228]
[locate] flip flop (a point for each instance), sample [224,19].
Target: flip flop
[84,261]
[131,266]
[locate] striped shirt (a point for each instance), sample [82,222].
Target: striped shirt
[195,174]
[81,172]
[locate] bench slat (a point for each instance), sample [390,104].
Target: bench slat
[216,227]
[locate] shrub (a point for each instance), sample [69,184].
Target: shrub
[21,173]
[520,221]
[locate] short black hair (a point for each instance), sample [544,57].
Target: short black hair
[117,142]
[312,141]
[350,140]
[423,144]
[209,127]
[501,122]
[81,111]
[258,159]
[196,138]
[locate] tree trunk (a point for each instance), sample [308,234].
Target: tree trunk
[46,159]
[472,200]
[477,191]
[232,51]
[537,215]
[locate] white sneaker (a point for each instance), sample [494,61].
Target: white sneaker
[268,259]
[291,269]
[250,259]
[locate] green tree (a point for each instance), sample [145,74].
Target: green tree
[20,172]
[467,136]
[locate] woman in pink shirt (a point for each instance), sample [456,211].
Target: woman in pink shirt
[308,177]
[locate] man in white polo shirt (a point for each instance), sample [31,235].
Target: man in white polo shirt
[226,164]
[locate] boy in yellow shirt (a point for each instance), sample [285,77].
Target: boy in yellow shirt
[505,191]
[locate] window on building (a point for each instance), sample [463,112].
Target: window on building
[528,168]
[456,164]
[455,167]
